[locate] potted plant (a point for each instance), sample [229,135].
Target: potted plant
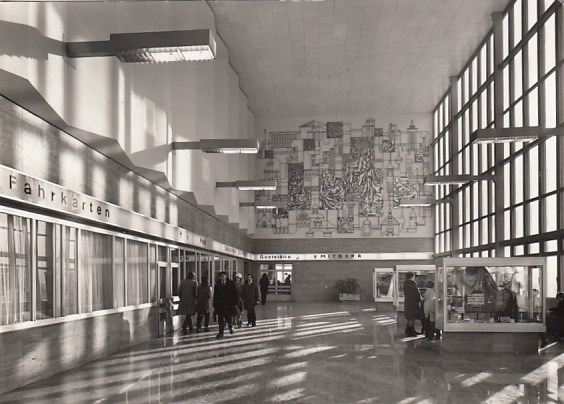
[349,289]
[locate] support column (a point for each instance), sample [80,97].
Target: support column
[498,122]
[454,148]
[559,139]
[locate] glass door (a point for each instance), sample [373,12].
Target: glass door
[206,268]
[177,276]
[165,291]
[281,282]
[217,266]
[190,265]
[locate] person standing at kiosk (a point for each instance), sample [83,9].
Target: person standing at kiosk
[412,305]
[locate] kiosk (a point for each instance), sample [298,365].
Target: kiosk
[491,304]
[388,284]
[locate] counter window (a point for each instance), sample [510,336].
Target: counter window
[15,269]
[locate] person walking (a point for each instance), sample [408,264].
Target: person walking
[264,283]
[412,304]
[224,302]
[250,300]
[237,315]
[203,296]
[187,306]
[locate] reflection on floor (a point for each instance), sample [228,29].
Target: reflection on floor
[312,353]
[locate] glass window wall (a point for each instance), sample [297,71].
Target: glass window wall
[528,172]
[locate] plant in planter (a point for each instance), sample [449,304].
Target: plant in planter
[348,288]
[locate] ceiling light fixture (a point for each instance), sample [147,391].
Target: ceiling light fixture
[422,202]
[455,179]
[262,205]
[224,146]
[258,185]
[504,135]
[150,47]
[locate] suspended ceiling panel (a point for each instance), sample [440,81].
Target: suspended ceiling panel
[313,58]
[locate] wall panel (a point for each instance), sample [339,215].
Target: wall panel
[33,354]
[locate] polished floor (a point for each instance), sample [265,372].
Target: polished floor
[310,353]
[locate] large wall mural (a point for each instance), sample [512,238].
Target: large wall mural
[339,181]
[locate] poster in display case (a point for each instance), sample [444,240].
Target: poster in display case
[491,294]
[383,284]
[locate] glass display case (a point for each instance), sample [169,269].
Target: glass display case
[383,284]
[491,294]
[423,274]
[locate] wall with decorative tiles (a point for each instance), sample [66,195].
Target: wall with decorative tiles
[344,179]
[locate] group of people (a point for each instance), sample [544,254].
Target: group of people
[230,298]
[420,307]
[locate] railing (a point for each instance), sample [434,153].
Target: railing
[280,289]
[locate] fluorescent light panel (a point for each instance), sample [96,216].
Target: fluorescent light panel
[421,202]
[262,205]
[167,46]
[166,54]
[224,146]
[230,146]
[454,179]
[150,47]
[416,202]
[506,135]
[258,185]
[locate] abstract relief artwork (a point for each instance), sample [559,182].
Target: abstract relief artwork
[334,179]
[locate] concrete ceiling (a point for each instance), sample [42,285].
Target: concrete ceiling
[313,58]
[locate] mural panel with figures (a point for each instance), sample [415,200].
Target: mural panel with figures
[335,180]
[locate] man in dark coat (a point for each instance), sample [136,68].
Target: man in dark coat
[264,283]
[224,302]
[555,318]
[412,304]
[187,306]
[250,300]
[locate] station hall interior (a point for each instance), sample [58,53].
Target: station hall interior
[338,149]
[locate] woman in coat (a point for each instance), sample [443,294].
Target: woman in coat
[187,306]
[203,296]
[429,298]
[412,304]
[250,300]
[239,308]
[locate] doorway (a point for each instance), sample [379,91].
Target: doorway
[281,281]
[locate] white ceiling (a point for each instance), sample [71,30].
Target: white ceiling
[344,57]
